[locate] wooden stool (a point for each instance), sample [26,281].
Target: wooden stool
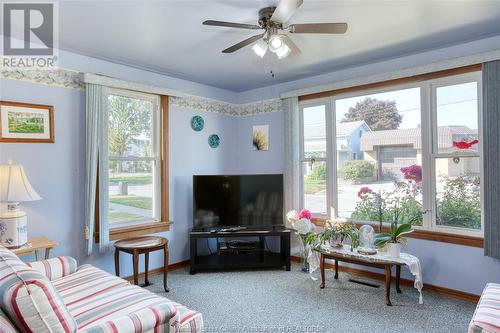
[138,245]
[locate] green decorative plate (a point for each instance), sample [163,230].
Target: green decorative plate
[197,123]
[213,141]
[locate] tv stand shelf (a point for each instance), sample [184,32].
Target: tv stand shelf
[244,258]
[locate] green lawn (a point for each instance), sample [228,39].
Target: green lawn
[117,216]
[134,179]
[314,186]
[132,201]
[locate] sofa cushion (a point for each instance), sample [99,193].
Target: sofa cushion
[101,302]
[29,298]
[486,318]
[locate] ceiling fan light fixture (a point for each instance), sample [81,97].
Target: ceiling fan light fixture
[283,51]
[260,48]
[275,43]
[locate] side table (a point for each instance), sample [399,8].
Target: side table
[34,245]
[139,245]
[345,255]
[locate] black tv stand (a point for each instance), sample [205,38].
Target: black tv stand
[247,254]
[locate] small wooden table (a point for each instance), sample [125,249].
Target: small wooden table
[138,245]
[34,245]
[345,255]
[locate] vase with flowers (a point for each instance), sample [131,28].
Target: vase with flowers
[301,223]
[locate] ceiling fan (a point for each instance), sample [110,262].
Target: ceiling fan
[273,20]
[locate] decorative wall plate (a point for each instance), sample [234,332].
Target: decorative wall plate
[197,123]
[213,141]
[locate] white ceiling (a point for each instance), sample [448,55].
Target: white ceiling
[168,37]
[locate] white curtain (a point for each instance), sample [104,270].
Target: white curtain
[96,159]
[292,151]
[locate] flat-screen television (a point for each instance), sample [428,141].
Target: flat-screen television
[252,201]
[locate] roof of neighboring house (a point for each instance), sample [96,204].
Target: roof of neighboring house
[346,129]
[318,131]
[412,136]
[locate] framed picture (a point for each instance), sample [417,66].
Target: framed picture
[22,122]
[260,137]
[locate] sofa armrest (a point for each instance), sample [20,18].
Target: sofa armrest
[163,317]
[55,268]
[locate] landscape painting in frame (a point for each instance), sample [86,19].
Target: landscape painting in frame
[22,122]
[260,137]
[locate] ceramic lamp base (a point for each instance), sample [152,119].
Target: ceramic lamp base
[13,230]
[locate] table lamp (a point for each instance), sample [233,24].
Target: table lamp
[14,188]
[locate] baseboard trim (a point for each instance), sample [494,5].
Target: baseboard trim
[381,277]
[159,270]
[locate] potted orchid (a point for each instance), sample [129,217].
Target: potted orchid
[336,232]
[301,223]
[394,238]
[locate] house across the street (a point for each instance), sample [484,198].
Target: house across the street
[348,139]
[391,150]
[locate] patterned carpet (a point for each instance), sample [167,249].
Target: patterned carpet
[280,301]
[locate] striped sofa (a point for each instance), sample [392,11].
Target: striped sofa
[57,296]
[486,318]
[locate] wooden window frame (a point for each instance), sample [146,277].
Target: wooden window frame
[425,234]
[436,236]
[165,223]
[394,82]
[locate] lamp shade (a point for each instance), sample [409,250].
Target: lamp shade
[14,185]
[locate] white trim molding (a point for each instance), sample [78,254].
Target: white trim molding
[128,85]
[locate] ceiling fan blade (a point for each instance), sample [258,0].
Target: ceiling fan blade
[293,47]
[285,10]
[243,43]
[318,28]
[231,24]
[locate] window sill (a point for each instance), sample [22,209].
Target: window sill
[436,236]
[139,230]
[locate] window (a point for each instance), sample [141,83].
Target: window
[456,156]
[134,158]
[411,150]
[313,158]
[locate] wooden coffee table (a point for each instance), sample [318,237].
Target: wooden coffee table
[139,245]
[344,254]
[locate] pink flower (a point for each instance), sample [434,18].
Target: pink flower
[413,173]
[305,214]
[364,191]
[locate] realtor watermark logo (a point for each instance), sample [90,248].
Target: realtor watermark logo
[29,32]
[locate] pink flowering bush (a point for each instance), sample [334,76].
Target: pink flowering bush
[412,173]
[305,214]
[364,191]
[403,202]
